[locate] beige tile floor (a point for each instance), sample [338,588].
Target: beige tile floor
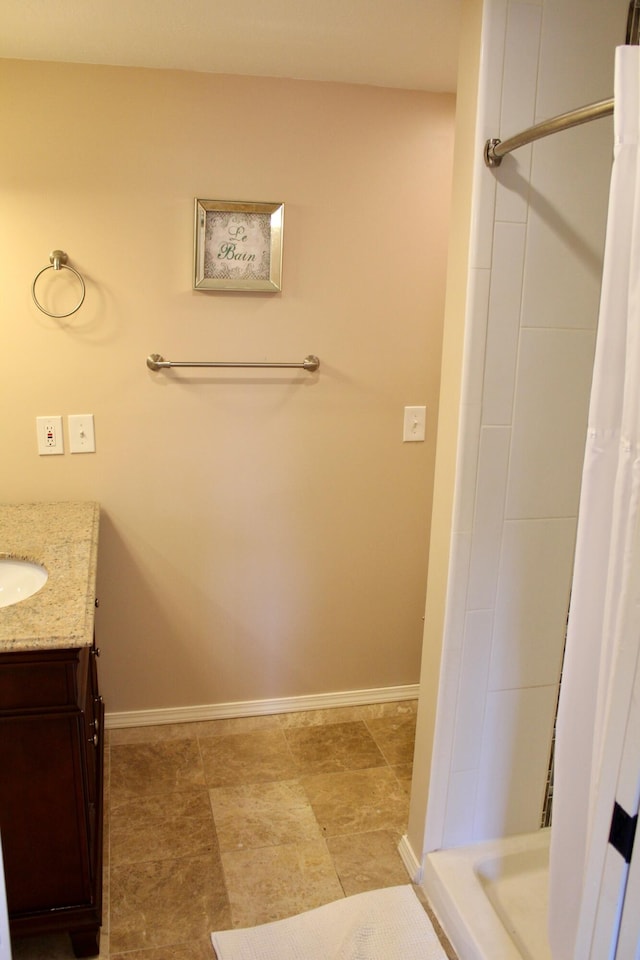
[232,823]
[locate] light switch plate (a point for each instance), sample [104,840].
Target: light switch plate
[81,433]
[414,424]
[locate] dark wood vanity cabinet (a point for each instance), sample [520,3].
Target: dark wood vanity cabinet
[51,771]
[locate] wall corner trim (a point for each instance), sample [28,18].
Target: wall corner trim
[255,708]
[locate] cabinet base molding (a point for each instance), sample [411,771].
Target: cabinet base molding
[256,708]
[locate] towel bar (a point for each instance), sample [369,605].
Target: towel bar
[157,362]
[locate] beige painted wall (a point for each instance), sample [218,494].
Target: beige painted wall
[264,535]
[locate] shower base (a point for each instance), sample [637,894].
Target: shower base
[491,898]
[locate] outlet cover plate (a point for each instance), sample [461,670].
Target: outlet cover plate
[49,433]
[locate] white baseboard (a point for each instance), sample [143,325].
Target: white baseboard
[411,862]
[255,708]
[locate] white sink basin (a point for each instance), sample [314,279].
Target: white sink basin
[19,579]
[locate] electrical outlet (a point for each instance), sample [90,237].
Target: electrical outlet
[82,437]
[414,424]
[49,432]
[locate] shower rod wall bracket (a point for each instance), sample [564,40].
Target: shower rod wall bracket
[157,362]
[490,159]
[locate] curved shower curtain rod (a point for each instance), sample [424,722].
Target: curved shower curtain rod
[495,150]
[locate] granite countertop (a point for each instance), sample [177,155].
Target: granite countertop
[64,538]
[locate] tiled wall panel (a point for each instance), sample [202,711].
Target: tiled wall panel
[458,825]
[472,692]
[478,294]
[503,323]
[566,228]
[532,602]
[577,52]
[550,422]
[512,772]
[493,462]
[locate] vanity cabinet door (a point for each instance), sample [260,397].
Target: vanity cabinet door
[51,763]
[42,813]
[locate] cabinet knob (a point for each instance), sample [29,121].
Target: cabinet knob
[95,651]
[95,739]
[97,601]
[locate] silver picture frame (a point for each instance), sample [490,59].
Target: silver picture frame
[238,246]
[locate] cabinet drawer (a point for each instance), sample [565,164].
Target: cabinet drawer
[38,681]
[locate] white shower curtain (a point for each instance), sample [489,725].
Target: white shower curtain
[607,518]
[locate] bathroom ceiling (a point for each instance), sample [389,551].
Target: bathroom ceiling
[392,43]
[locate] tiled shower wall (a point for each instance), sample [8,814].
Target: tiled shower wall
[535,268]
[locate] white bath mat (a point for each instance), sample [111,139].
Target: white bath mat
[389,924]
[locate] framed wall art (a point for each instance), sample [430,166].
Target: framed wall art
[238,246]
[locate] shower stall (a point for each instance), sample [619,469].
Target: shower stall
[533,290]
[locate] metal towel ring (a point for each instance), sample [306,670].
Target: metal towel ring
[58,260]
